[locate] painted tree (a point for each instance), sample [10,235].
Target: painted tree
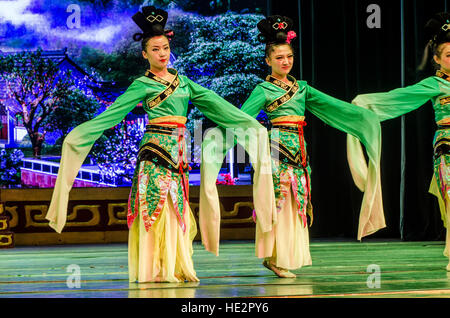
[115,152]
[224,55]
[34,86]
[72,110]
[10,163]
[121,66]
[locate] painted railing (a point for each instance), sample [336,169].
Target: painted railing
[89,174]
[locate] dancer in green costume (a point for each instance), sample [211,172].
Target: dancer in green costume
[400,101]
[284,100]
[161,223]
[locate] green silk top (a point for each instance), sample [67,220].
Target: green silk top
[334,112]
[397,102]
[358,122]
[80,140]
[400,101]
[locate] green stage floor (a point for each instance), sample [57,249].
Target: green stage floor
[392,269]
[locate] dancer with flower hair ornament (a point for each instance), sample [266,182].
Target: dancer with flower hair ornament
[400,101]
[162,226]
[284,100]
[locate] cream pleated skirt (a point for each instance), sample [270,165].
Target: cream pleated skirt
[164,253]
[287,244]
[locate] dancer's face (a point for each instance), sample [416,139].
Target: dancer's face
[281,60]
[157,52]
[444,57]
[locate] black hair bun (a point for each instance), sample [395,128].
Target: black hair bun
[281,37]
[437,28]
[276,29]
[157,29]
[151,21]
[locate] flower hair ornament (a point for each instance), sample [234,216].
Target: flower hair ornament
[152,22]
[290,36]
[276,29]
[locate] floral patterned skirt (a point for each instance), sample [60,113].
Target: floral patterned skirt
[287,245]
[162,226]
[163,253]
[440,185]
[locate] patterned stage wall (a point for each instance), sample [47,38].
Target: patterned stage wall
[98,215]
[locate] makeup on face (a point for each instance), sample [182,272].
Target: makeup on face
[444,58]
[157,52]
[281,61]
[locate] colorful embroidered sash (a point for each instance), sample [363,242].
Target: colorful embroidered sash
[290,92]
[442,143]
[293,124]
[170,89]
[157,154]
[151,151]
[181,152]
[300,158]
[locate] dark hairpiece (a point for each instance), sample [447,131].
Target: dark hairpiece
[437,31]
[438,28]
[152,22]
[276,29]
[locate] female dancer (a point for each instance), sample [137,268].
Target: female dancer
[161,223]
[284,100]
[403,100]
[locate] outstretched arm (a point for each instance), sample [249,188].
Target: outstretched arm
[77,145]
[386,106]
[254,138]
[399,101]
[363,125]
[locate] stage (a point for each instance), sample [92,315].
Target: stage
[340,269]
